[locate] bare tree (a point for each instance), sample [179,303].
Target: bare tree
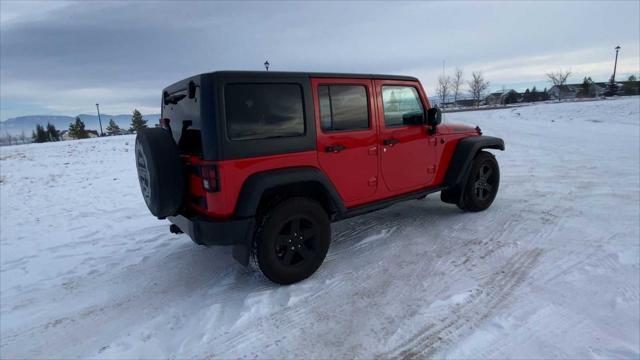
[477,86]
[456,83]
[7,139]
[559,78]
[23,137]
[444,88]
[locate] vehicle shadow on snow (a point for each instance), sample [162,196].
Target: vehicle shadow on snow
[215,271]
[191,268]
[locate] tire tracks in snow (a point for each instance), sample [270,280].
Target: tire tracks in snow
[479,249]
[476,308]
[351,238]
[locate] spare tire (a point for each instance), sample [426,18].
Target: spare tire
[160,171]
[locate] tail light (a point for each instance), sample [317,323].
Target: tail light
[210,178]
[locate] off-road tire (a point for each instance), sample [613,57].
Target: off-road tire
[160,172]
[482,183]
[279,248]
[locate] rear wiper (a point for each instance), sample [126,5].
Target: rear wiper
[173,99]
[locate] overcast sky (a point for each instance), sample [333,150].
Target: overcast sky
[63,57]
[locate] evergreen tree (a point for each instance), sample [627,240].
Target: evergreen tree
[587,89]
[113,128]
[511,98]
[76,129]
[39,135]
[526,97]
[52,133]
[631,87]
[535,94]
[137,122]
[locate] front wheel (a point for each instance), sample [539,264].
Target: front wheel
[292,240]
[482,184]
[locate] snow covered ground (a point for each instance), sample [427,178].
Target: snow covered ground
[551,270]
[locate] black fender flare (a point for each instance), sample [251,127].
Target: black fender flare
[460,164]
[257,184]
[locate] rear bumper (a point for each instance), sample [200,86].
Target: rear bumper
[215,232]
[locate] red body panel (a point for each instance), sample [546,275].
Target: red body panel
[366,171]
[408,164]
[354,170]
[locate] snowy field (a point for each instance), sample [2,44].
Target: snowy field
[551,270]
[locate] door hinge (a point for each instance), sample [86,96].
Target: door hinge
[433,141]
[431,169]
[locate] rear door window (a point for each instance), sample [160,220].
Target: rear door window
[400,102]
[343,107]
[262,111]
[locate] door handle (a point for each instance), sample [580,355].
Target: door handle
[335,148]
[390,142]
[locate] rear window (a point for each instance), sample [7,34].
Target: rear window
[183,113]
[262,111]
[343,107]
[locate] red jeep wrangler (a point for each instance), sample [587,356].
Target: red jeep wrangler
[265,161]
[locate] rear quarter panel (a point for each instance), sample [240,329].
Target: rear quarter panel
[234,173]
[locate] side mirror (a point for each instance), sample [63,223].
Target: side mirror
[413,118]
[434,117]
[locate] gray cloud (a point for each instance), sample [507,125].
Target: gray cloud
[128,51]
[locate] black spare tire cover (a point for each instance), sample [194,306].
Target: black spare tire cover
[159,171]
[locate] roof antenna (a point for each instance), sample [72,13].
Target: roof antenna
[266,65]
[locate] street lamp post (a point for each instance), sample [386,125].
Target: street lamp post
[99,120]
[615,65]
[266,65]
[612,89]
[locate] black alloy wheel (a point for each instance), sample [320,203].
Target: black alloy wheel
[291,240]
[485,181]
[297,242]
[482,184]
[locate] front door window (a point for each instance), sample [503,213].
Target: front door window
[398,102]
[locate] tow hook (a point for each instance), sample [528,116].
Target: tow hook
[175,229]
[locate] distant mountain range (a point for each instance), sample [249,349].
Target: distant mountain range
[16,125]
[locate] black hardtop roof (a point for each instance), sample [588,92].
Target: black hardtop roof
[268,74]
[180,85]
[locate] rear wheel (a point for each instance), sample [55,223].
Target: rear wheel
[292,240]
[482,185]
